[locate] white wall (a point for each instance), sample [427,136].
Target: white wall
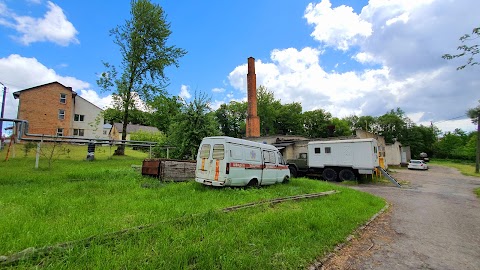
[393,154]
[92,123]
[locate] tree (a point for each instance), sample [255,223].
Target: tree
[316,123]
[267,109]
[467,50]
[145,54]
[289,119]
[165,109]
[474,114]
[189,127]
[471,52]
[231,118]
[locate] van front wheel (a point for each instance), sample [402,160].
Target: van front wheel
[253,183]
[293,171]
[285,180]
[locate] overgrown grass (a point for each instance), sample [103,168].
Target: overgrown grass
[477,192]
[77,199]
[465,167]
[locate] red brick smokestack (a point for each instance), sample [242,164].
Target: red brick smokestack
[253,121]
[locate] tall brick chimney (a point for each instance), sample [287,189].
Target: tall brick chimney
[253,121]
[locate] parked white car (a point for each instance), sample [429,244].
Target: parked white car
[417,164]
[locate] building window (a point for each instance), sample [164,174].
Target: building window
[78,132]
[59,132]
[63,98]
[105,132]
[79,117]
[61,114]
[328,150]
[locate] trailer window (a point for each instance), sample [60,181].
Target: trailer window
[328,150]
[317,150]
[218,151]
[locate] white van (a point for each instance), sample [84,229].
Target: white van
[226,161]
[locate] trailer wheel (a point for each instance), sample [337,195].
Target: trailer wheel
[346,175]
[293,171]
[329,174]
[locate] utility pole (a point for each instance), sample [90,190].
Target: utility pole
[477,156]
[1,115]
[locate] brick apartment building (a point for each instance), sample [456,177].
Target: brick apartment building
[55,109]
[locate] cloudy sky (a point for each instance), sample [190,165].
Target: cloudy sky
[347,57]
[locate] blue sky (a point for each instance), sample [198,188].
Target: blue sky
[347,57]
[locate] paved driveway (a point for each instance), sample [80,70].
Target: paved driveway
[434,223]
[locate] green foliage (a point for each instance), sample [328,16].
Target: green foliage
[268,109]
[457,145]
[477,192]
[27,147]
[316,123]
[165,109]
[466,49]
[188,229]
[190,126]
[145,55]
[231,118]
[146,136]
[465,167]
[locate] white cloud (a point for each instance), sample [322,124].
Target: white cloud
[93,97]
[404,39]
[184,92]
[340,27]
[22,73]
[218,90]
[53,27]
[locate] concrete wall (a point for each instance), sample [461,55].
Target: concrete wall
[393,154]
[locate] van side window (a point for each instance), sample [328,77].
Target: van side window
[218,151]
[269,157]
[317,150]
[236,152]
[328,150]
[205,151]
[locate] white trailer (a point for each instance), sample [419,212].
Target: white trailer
[226,161]
[342,159]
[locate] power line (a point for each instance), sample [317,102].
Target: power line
[449,119]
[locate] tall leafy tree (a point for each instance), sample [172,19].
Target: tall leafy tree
[470,51]
[467,49]
[195,121]
[231,118]
[142,41]
[164,111]
[316,123]
[289,119]
[474,114]
[268,109]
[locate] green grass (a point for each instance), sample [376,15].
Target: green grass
[477,192]
[76,199]
[466,168]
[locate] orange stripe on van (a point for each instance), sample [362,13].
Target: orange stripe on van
[203,164]
[217,169]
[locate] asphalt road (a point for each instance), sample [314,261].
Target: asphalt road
[433,223]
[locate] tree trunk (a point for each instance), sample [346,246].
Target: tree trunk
[120,151]
[477,160]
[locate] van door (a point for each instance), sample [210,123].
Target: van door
[217,171]
[269,174]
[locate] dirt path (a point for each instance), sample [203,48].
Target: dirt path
[434,223]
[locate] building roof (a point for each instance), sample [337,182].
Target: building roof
[17,93]
[132,128]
